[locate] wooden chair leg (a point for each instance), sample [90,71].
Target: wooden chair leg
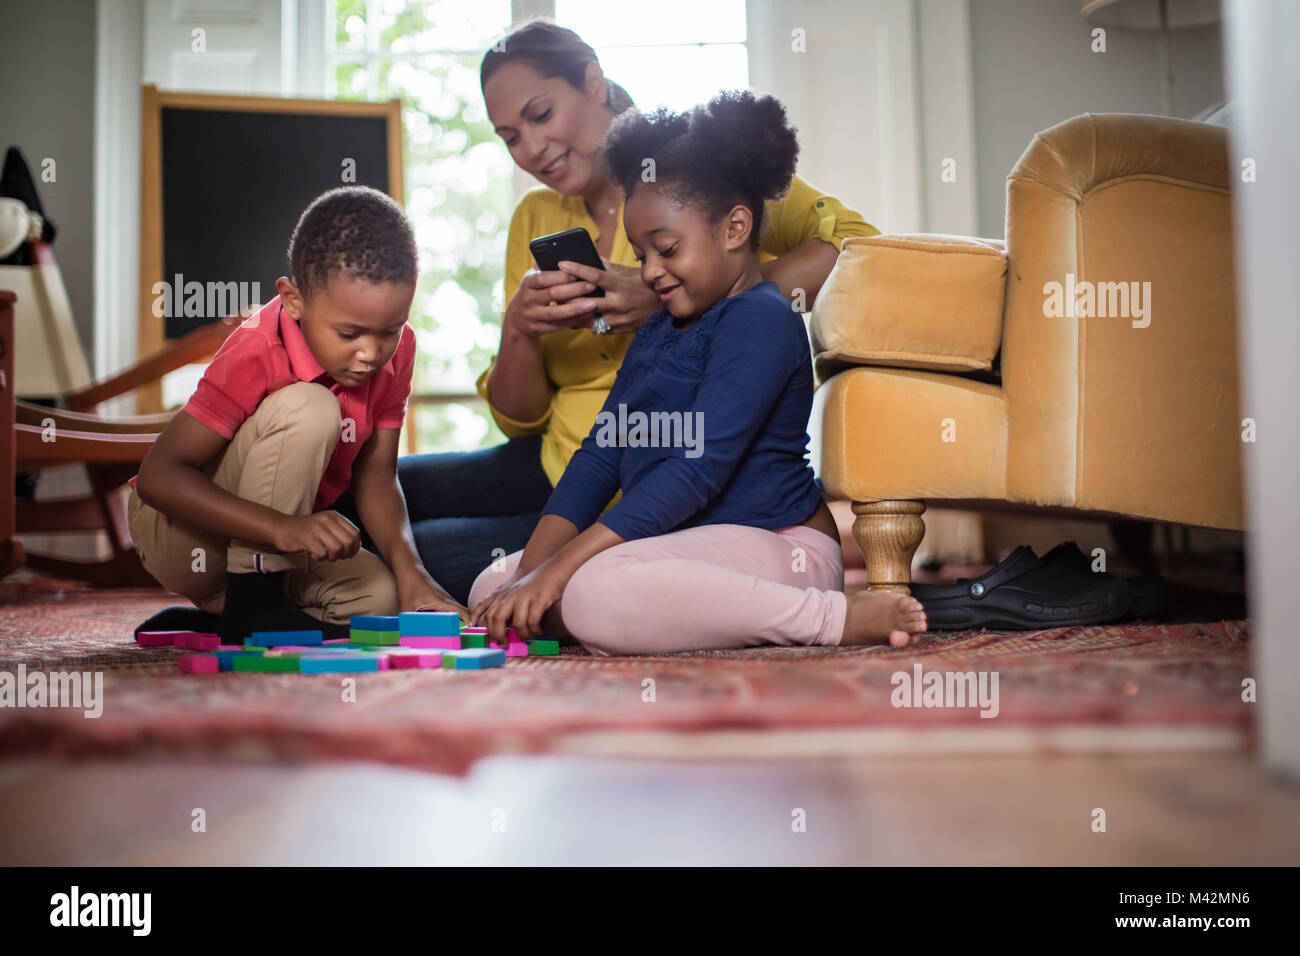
[889,532]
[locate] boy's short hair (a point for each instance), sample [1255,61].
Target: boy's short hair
[355,232]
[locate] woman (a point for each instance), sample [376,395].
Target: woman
[560,350]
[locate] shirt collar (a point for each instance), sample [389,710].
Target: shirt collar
[301,362]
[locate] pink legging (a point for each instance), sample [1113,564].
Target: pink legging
[705,588]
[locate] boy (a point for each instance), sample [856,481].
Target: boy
[304,401]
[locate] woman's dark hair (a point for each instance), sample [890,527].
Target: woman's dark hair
[737,148]
[551,50]
[352,231]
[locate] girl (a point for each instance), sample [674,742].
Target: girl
[552,105]
[722,541]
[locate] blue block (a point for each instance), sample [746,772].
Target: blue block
[339,664]
[285,638]
[429,624]
[475,658]
[226,659]
[373,622]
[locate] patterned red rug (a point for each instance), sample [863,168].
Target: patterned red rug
[1176,679]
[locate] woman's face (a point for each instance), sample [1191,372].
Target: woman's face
[552,130]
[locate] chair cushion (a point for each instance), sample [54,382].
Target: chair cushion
[920,301]
[891,433]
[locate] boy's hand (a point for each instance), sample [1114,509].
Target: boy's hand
[325,535]
[418,592]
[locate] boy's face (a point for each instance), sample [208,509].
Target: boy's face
[690,262]
[352,326]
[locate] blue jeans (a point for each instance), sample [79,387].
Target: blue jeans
[469,508]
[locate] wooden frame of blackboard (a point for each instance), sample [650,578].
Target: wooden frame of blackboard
[153,101]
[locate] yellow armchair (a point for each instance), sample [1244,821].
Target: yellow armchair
[1088,364]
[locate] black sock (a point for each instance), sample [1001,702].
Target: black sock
[180,618]
[256,602]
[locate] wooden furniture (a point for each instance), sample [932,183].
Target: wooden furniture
[38,436]
[11,548]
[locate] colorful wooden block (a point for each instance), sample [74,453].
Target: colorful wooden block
[283,638]
[226,658]
[407,658]
[473,658]
[449,643]
[334,640]
[156,638]
[472,629]
[428,624]
[339,663]
[198,642]
[373,622]
[361,636]
[473,640]
[517,649]
[543,647]
[198,663]
[267,663]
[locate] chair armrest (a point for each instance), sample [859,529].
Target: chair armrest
[911,301]
[198,346]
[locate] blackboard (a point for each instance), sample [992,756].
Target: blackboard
[234,184]
[223,180]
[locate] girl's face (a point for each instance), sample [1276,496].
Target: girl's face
[553,130]
[690,262]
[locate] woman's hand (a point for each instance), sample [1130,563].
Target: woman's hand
[521,602]
[628,301]
[531,314]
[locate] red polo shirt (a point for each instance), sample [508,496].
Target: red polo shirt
[268,352]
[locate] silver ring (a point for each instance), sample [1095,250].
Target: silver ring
[601,327]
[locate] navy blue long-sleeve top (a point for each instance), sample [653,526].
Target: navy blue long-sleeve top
[730,397]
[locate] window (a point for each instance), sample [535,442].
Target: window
[458,175]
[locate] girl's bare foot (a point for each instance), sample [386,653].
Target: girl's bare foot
[874,617]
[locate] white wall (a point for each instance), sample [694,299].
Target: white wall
[47,74]
[1265,75]
[1033,66]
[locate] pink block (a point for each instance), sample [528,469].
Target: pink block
[198,642]
[473,630]
[445,643]
[198,663]
[336,640]
[156,638]
[230,647]
[409,658]
[516,648]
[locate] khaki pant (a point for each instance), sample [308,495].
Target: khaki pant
[276,459]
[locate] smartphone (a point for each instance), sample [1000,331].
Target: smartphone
[572,245]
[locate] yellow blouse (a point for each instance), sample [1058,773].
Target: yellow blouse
[581,366]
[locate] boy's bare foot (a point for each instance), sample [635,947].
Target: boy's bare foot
[874,617]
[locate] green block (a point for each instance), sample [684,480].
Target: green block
[371,638]
[267,664]
[252,649]
[543,648]
[473,640]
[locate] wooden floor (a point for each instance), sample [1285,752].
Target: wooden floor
[1160,810]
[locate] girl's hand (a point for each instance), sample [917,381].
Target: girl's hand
[531,314]
[628,301]
[520,603]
